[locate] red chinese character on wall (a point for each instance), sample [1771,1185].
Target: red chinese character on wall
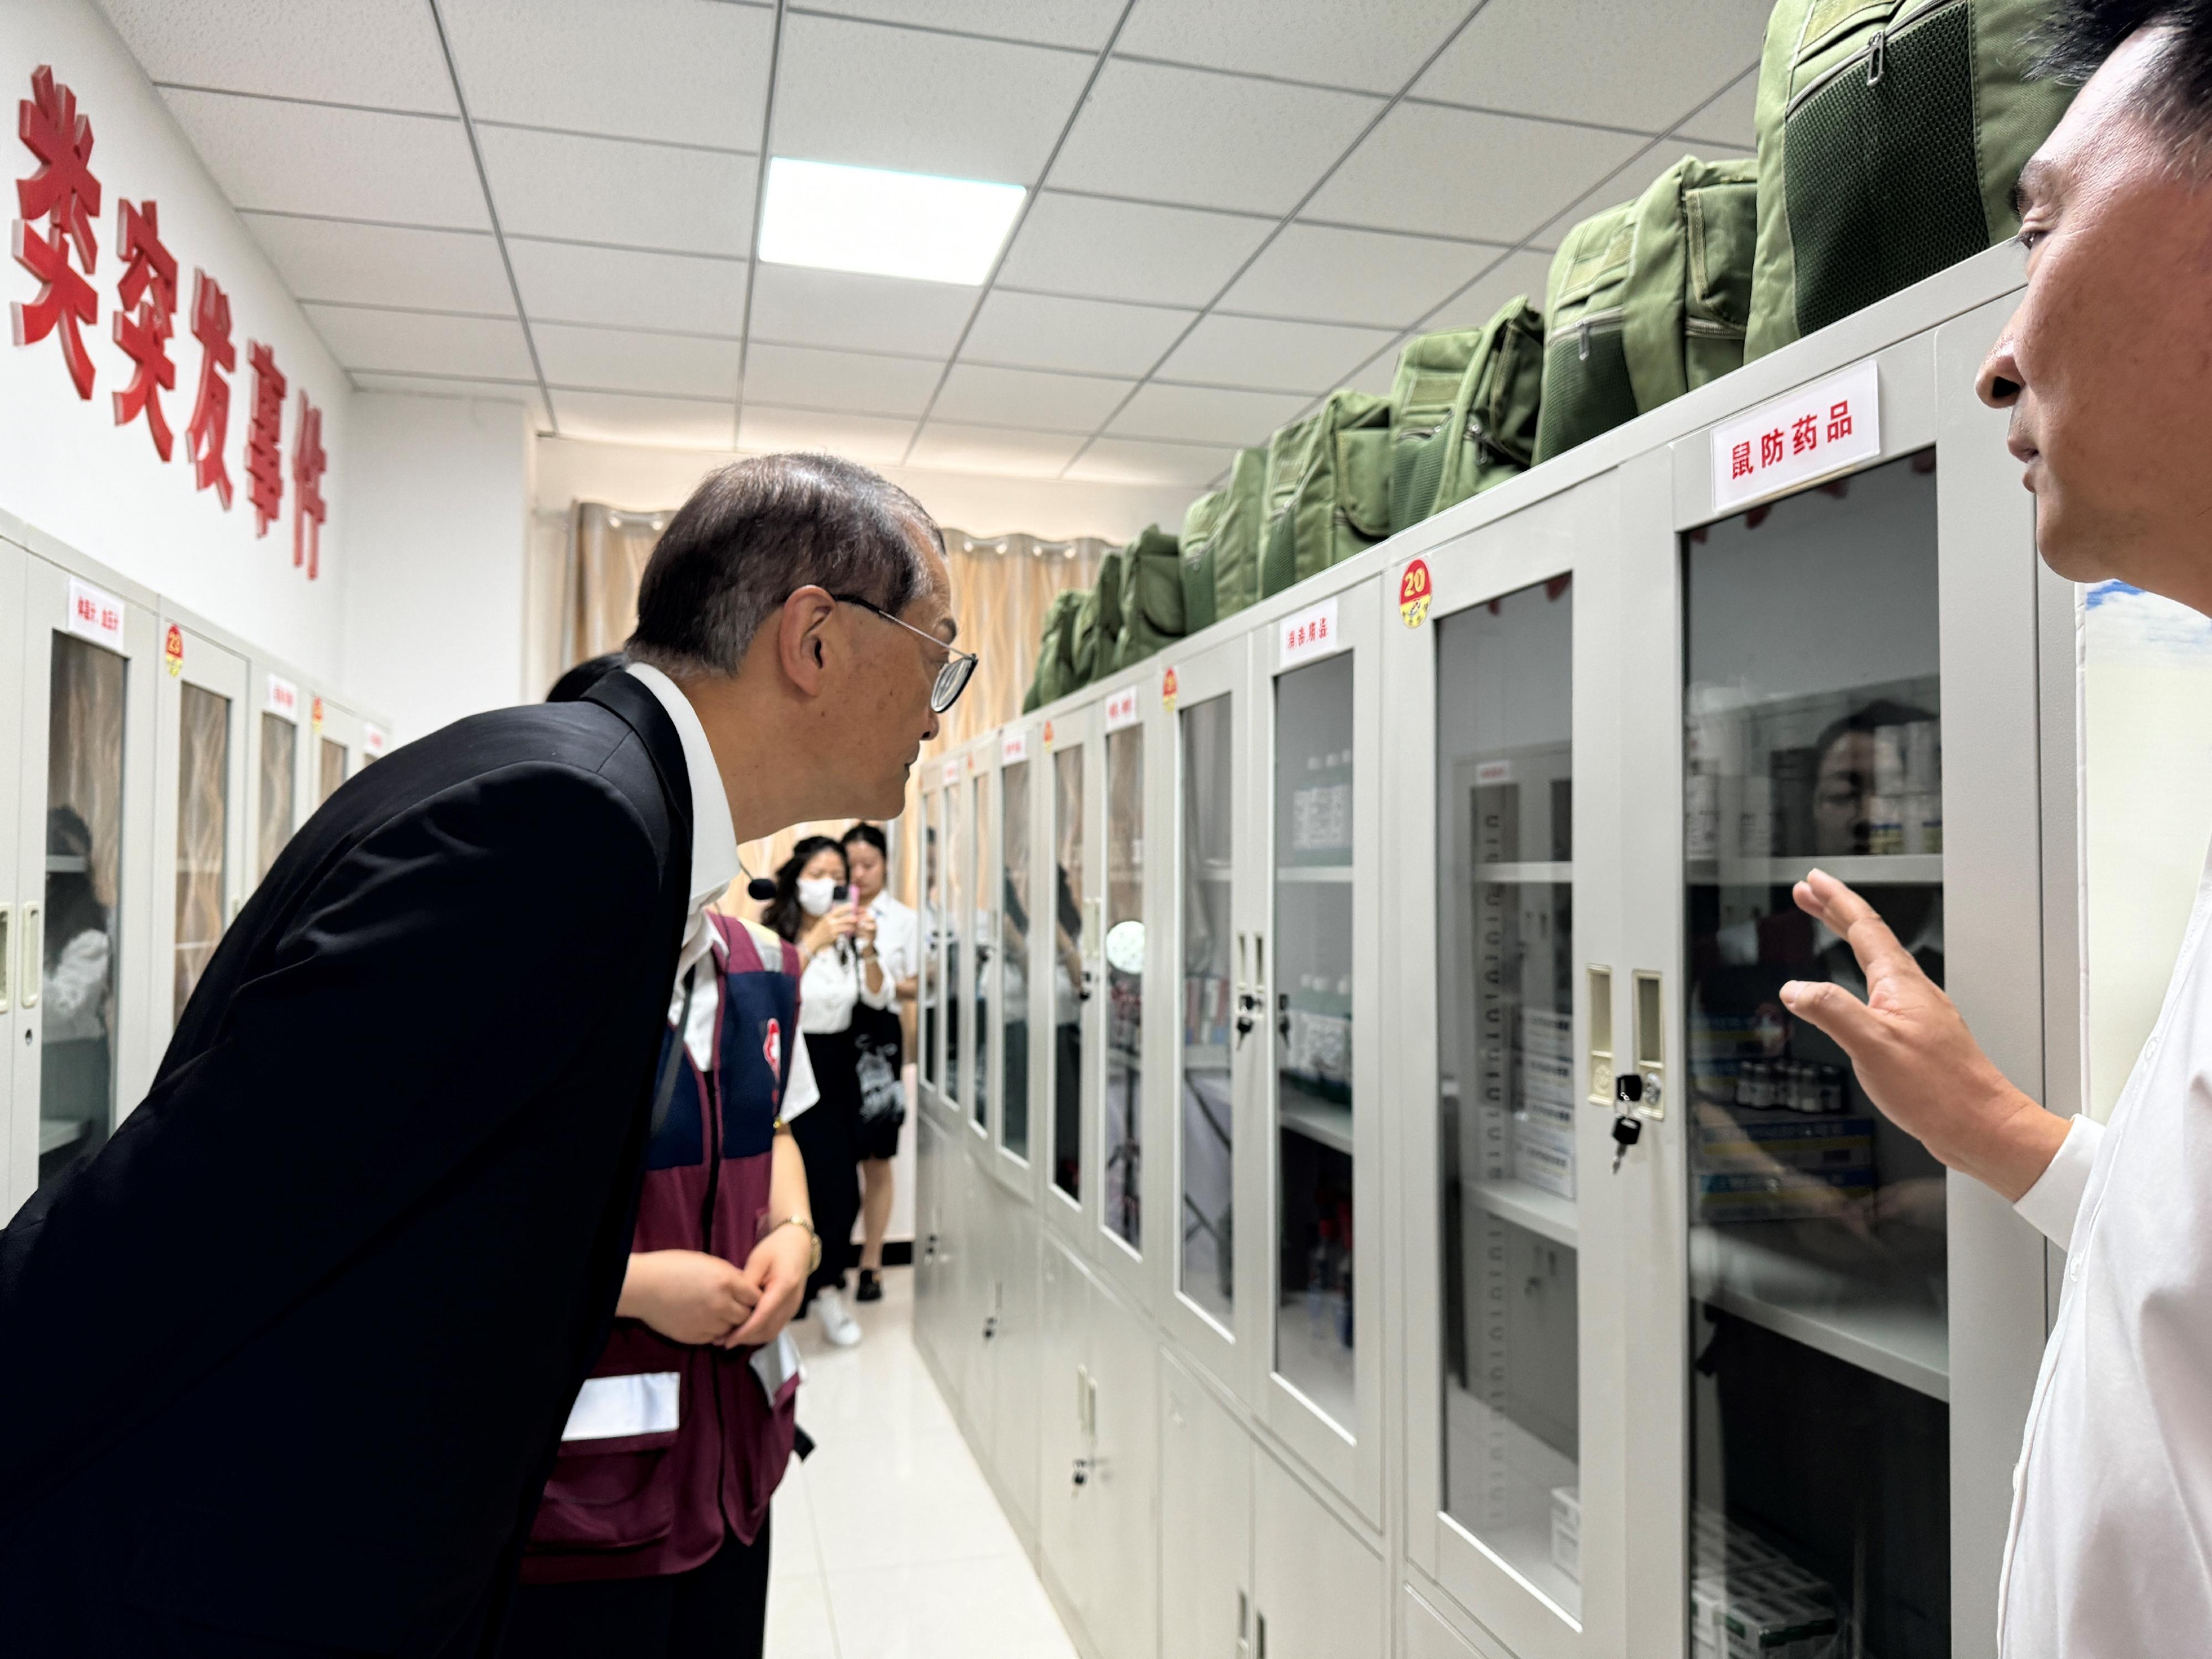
[1840,420]
[1770,447]
[1740,460]
[1804,434]
[63,192]
[145,320]
[210,427]
[265,466]
[308,510]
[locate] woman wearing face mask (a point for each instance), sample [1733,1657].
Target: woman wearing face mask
[835,940]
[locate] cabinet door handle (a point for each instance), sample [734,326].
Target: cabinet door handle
[1261,1624]
[34,943]
[7,954]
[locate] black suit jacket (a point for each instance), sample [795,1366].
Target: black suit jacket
[284,1367]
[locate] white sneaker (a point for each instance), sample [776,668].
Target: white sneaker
[839,1326]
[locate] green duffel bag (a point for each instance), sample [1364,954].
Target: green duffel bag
[1587,390]
[1890,133]
[1328,488]
[1431,373]
[1055,668]
[1097,632]
[1486,434]
[1199,522]
[1152,596]
[1689,289]
[1236,550]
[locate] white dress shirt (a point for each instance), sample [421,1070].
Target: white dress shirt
[2110,1551]
[898,947]
[713,867]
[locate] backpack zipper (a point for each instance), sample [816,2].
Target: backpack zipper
[1589,322]
[1874,53]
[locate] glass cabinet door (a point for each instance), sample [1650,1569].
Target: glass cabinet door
[276,789]
[1014,914]
[956,1079]
[931,924]
[1071,975]
[1510,1427]
[1206,1113]
[1819,1449]
[203,835]
[982,886]
[1125,985]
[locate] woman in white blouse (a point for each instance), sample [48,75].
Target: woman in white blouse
[879,1041]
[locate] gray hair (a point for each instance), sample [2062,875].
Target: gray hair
[756,532]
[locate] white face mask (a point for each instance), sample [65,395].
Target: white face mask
[816,893]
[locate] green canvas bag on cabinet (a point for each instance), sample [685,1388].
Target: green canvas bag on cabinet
[1152,596]
[1097,631]
[1328,488]
[1890,133]
[1484,431]
[1199,522]
[1055,668]
[1235,552]
[1587,390]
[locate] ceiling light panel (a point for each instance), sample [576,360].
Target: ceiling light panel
[878,223]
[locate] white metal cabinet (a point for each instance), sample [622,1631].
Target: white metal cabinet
[1014,1346]
[1205,1522]
[201,772]
[932,1245]
[1071,825]
[20,887]
[1317,1586]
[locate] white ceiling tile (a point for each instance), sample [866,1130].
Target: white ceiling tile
[954,448]
[379,52]
[1353,275]
[1119,460]
[621,288]
[1030,397]
[665,423]
[1728,118]
[1177,135]
[1271,356]
[1468,174]
[1084,23]
[1206,415]
[872,96]
[424,385]
[611,360]
[1627,62]
[686,72]
[412,343]
[1520,273]
[1376,377]
[841,310]
[856,437]
[802,376]
[1374,44]
[1040,330]
[381,264]
[1110,250]
[345,163]
[610,190]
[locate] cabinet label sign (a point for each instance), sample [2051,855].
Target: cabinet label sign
[283,698]
[1015,749]
[373,741]
[1805,434]
[94,614]
[1122,708]
[1311,633]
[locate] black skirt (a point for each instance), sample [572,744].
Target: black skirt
[878,1063]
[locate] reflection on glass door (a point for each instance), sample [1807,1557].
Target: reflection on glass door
[334,769]
[203,833]
[1124,982]
[84,836]
[1071,987]
[986,878]
[280,751]
[1505,1129]
[1014,959]
[1205,1120]
[1820,1431]
[932,912]
[955,943]
[1312,983]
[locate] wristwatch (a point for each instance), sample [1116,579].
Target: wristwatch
[814,1262]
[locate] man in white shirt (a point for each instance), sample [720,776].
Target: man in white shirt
[2104,368]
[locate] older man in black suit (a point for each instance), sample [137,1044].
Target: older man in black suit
[283,1368]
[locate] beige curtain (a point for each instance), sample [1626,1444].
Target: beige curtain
[607,551]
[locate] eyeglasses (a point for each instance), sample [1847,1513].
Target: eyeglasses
[959,665]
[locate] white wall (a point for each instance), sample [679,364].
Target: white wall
[67,468]
[632,476]
[436,615]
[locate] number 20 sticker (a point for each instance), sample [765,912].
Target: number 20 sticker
[1413,592]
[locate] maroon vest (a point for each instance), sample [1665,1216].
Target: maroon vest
[643,1495]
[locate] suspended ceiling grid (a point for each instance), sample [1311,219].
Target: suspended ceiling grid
[1236,205]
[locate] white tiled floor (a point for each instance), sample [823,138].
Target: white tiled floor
[889,1544]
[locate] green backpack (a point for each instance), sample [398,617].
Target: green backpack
[1484,431]
[1221,545]
[1096,634]
[1056,666]
[1647,300]
[1890,135]
[1152,596]
[1328,488]
[1200,520]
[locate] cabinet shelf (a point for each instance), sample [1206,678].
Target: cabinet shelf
[1899,1335]
[1320,873]
[1859,870]
[1530,872]
[1545,1214]
[1322,1121]
[55,1132]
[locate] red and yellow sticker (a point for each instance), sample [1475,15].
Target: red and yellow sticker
[1414,591]
[316,715]
[172,650]
[1167,691]
[1048,734]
